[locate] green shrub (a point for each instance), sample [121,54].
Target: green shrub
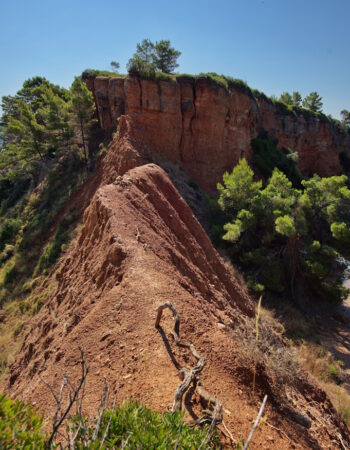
[142,428]
[345,415]
[226,82]
[10,275]
[7,253]
[288,239]
[53,250]
[8,231]
[20,425]
[266,156]
[92,73]
[132,426]
[11,190]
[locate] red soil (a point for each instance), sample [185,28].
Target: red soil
[140,245]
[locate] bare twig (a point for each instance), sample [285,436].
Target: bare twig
[102,409]
[178,436]
[208,435]
[279,430]
[59,415]
[256,423]
[227,433]
[109,422]
[125,443]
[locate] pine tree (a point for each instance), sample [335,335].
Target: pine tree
[115,66]
[286,98]
[286,238]
[83,112]
[296,98]
[150,57]
[313,102]
[165,56]
[56,118]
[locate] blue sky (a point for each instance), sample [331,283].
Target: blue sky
[274,45]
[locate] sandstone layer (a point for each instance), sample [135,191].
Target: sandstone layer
[206,128]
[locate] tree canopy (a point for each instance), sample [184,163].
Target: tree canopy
[288,239]
[293,99]
[152,57]
[313,102]
[115,66]
[42,122]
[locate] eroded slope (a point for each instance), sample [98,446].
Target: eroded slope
[140,245]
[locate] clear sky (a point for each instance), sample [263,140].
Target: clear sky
[274,45]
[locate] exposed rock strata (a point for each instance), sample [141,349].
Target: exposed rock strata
[207,129]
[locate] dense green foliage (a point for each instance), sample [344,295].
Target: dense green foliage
[131,426]
[151,58]
[291,99]
[288,239]
[313,102]
[20,426]
[92,73]
[83,111]
[44,157]
[143,428]
[267,156]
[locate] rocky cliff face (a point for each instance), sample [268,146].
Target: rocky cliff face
[206,128]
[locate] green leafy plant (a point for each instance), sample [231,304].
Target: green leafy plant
[288,239]
[129,426]
[20,425]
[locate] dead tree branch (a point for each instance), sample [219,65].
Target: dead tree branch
[256,423]
[61,413]
[213,413]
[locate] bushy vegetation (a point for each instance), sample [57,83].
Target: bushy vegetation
[20,425]
[287,239]
[45,155]
[131,426]
[92,73]
[152,58]
[267,156]
[142,428]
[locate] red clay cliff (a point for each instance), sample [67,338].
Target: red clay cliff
[206,128]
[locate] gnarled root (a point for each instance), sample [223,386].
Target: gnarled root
[213,412]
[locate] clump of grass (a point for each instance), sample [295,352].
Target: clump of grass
[265,349]
[93,73]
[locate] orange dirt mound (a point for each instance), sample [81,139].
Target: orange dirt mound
[140,245]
